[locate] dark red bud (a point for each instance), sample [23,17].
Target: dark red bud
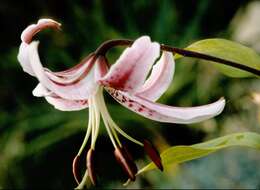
[152,152]
[90,166]
[126,164]
[75,169]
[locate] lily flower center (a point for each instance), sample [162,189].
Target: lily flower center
[98,110]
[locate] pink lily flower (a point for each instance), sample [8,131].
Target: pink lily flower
[127,81]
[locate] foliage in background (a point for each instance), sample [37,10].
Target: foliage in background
[38,143]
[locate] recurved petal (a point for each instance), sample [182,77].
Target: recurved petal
[168,114]
[26,38]
[33,29]
[24,59]
[70,75]
[81,88]
[160,78]
[58,102]
[130,70]
[41,91]
[66,105]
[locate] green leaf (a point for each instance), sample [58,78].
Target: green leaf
[228,50]
[180,154]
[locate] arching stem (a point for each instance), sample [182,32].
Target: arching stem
[103,48]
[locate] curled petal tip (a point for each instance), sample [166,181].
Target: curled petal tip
[221,103]
[48,21]
[40,91]
[75,169]
[154,155]
[91,167]
[33,29]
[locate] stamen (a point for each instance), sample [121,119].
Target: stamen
[127,165]
[130,158]
[75,169]
[86,136]
[93,122]
[83,182]
[108,131]
[116,136]
[97,121]
[114,125]
[107,119]
[99,102]
[153,154]
[91,166]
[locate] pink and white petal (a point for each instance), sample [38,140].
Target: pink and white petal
[81,89]
[168,114]
[33,29]
[58,102]
[70,75]
[41,91]
[26,38]
[160,78]
[73,70]
[24,59]
[67,105]
[130,70]
[101,69]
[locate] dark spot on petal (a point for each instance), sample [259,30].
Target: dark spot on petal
[140,109]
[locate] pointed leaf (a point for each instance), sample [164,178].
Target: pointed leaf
[228,50]
[180,154]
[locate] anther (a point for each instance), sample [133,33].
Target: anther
[91,166]
[152,152]
[128,165]
[130,158]
[75,169]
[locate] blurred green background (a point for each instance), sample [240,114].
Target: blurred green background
[38,143]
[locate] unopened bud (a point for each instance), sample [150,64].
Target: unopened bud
[152,152]
[126,164]
[91,166]
[75,169]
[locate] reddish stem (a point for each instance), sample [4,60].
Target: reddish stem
[103,48]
